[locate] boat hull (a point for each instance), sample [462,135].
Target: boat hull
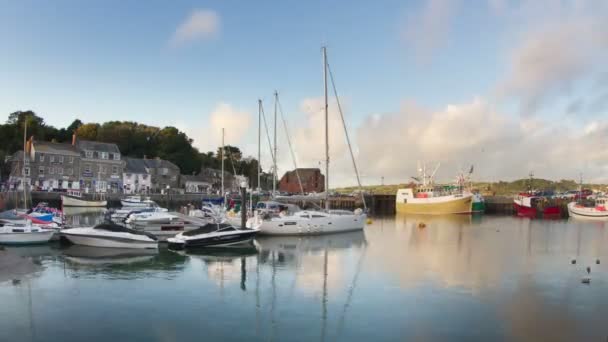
[76,202]
[242,237]
[530,212]
[436,206]
[32,238]
[108,242]
[586,213]
[311,226]
[135,204]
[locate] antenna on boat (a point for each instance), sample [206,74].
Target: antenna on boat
[259,141]
[435,171]
[325,108]
[293,156]
[24,161]
[222,157]
[274,166]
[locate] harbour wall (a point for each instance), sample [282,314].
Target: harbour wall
[377,204]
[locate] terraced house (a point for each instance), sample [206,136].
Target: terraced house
[101,166]
[54,165]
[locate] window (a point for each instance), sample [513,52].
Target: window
[114,170]
[87,168]
[41,157]
[59,170]
[128,175]
[104,155]
[174,178]
[26,171]
[52,159]
[41,171]
[144,177]
[89,154]
[51,170]
[70,171]
[60,159]
[116,156]
[165,171]
[71,160]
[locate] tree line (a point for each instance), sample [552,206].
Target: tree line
[133,139]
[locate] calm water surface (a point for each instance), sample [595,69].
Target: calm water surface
[458,278]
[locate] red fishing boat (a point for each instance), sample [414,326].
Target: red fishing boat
[533,206]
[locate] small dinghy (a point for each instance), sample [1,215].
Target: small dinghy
[213,235]
[110,235]
[24,234]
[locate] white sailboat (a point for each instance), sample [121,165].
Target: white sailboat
[312,222]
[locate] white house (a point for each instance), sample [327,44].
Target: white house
[195,184]
[136,176]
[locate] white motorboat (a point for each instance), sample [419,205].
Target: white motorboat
[598,212]
[137,201]
[120,215]
[110,235]
[213,235]
[145,218]
[24,234]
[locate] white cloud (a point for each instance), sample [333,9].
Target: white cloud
[200,24]
[501,146]
[426,30]
[207,135]
[558,51]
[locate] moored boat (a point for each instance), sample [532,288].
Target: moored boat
[26,234]
[531,206]
[73,201]
[597,212]
[110,235]
[213,235]
[137,201]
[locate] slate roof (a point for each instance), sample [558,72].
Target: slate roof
[97,146]
[160,163]
[56,148]
[191,178]
[135,165]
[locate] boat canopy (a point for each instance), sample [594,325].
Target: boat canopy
[208,228]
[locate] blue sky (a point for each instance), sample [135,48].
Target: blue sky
[121,60]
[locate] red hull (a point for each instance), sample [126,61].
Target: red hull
[548,212]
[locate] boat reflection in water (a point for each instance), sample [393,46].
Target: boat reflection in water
[121,263]
[83,216]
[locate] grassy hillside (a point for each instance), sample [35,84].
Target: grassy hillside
[491,188]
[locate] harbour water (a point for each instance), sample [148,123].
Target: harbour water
[486,278]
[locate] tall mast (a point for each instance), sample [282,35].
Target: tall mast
[24,161]
[222,156]
[325,108]
[274,167]
[259,141]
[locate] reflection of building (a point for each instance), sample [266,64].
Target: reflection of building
[136,178]
[312,181]
[101,166]
[194,184]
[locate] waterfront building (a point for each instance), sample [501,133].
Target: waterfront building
[101,166]
[312,181]
[136,178]
[54,166]
[20,169]
[164,175]
[194,184]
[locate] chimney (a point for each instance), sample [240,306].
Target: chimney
[74,139]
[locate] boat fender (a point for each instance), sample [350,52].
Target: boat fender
[369,221]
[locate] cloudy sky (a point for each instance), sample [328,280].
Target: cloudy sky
[511,86]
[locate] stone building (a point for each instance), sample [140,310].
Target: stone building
[195,184]
[164,175]
[54,166]
[101,166]
[312,181]
[136,178]
[18,172]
